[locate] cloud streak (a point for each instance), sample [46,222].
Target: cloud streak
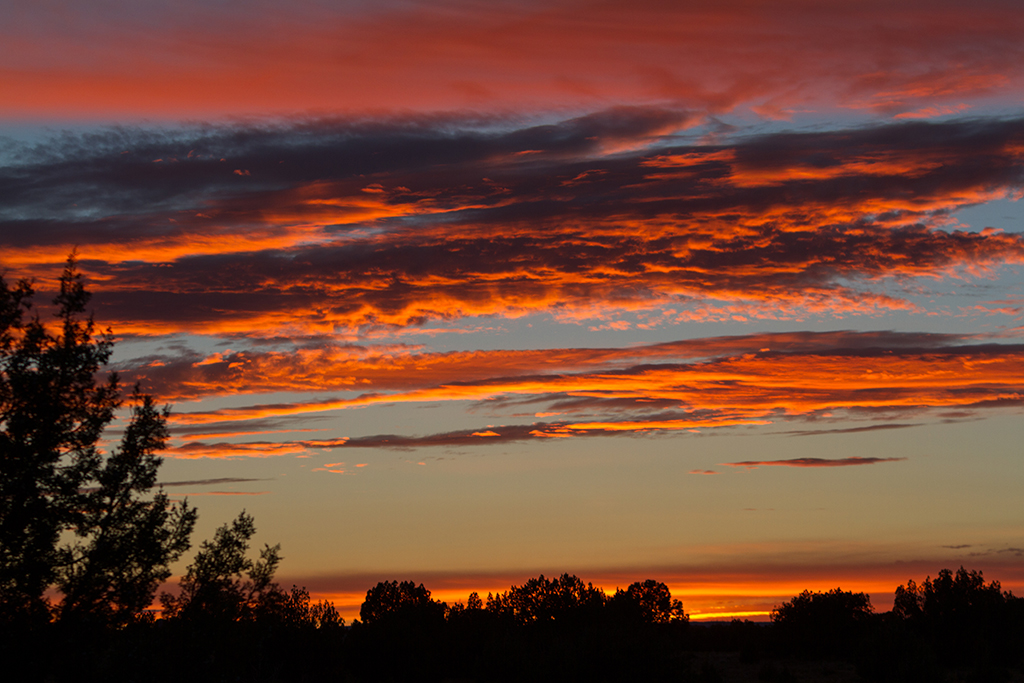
[252,449]
[207,482]
[810,462]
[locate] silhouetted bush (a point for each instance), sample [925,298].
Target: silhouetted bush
[830,623]
[963,620]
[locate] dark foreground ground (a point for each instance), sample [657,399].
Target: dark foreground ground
[730,667]
[500,653]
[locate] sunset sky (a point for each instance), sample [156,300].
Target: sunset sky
[724,294]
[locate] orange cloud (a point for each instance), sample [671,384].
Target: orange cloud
[655,388]
[259,449]
[352,367]
[752,385]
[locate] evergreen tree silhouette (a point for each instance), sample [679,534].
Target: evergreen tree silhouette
[55,479]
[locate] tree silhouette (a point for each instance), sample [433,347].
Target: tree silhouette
[823,623]
[951,597]
[541,599]
[127,542]
[649,601]
[389,600]
[295,609]
[54,477]
[908,601]
[222,584]
[965,618]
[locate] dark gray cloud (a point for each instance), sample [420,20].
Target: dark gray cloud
[811,462]
[207,482]
[851,430]
[481,218]
[153,172]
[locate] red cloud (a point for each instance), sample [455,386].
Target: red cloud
[779,58]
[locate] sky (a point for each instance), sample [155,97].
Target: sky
[724,294]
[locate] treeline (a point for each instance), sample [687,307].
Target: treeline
[233,623]
[953,627]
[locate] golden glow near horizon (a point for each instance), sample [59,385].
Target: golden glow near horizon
[464,292]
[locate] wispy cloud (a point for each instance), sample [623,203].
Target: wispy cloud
[852,430]
[233,493]
[253,449]
[810,462]
[207,482]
